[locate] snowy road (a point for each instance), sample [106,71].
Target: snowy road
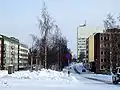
[97,84]
[51,81]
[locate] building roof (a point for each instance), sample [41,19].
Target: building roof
[11,39]
[23,45]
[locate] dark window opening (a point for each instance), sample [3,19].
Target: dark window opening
[101,60]
[104,38]
[104,60]
[101,52]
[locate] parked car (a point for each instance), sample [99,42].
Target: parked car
[116,76]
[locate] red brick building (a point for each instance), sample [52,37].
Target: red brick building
[107,50]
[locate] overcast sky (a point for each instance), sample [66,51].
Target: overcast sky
[18,18]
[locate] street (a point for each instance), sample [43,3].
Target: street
[95,85]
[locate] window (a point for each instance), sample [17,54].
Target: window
[119,70]
[87,47]
[101,52]
[105,53]
[104,60]
[104,38]
[102,67]
[87,56]
[101,60]
[101,38]
[80,46]
[83,44]
[87,51]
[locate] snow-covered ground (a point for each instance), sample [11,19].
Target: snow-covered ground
[2,73]
[79,67]
[49,80]
[101,77]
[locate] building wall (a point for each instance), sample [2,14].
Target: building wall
[10,52]
[84,32]
[23,56]
[81,45]
[99,54]
[0,52]
[91,48]
[87,44]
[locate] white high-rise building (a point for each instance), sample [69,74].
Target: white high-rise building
[83,34]
[81,45]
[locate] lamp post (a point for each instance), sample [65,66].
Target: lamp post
[110,63]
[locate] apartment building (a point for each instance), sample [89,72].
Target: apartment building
[90,52]
[10,52]
[10,49]
[23,56]
[83,33]
[0,52]
[81,46]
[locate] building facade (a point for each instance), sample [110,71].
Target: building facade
[0,52]
[12,52]
[84,32]
[107,50]
[87,45]
[23,56]
[101,62]
[90,52]
[81,46]
[91,48]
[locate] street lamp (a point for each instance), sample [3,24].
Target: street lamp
[77,35]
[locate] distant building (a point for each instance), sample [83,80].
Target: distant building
[0,52]
[81,46]
[90,50]
[83,34]
[23,56]
[10,52]
[101,63]
[10,48]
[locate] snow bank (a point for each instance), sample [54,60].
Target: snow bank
[79,67]
[3,73]
[44,75]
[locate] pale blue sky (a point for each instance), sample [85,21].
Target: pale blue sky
[18,17]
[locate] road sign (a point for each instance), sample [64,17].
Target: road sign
[68,56]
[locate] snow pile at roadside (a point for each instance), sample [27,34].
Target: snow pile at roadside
[78,67]
[101,77]
[70,67]
[3,73]
[44,75]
